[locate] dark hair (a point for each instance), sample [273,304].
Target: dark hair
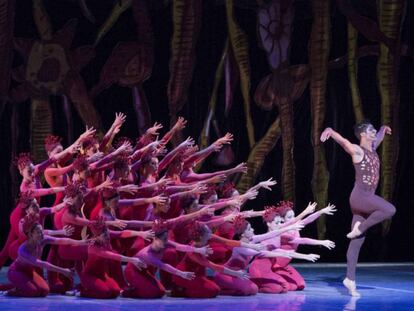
[361,127]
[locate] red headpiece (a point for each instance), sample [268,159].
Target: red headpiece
[73,190]
[22,160]
[283,207]
[51,142]
[227,190]
[270,213]
[240,224]
[80,163]
[29,222]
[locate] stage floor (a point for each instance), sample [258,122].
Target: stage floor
[383,287]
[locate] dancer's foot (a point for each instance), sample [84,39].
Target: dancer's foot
[355,231]
[351,286]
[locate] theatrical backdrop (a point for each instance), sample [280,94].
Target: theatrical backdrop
[274,73]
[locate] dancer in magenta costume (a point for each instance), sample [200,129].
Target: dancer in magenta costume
[291,239]
[367,208]
[260,270]
[241,257]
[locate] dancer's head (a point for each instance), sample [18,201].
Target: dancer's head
[101,234]
[75,192]
[190,204]
[160,229]
[121,167]
[53,145]
[29,204]
[81,168]
[149,166]
[285,209]
[110,199]
[365,131]
[242,228]
[25,165]
[199,233]
[32,228]
[209,197]
[228,190]
[89,146]
[272,218]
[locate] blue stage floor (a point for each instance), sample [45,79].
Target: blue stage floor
[383,287]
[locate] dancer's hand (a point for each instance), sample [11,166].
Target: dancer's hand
[329,209]
[241,274]
[68,230]
[120,224]
[138,263]
[217,179]
[159,200]
[180,124]
[153,131]
[241,168]
[205,251]
[266,184]
[328,244]
[69,273]
[225,140]
[186,143]
[187,275]
[249,195]
[119,120]
[310,208]
[326,134]
[387,129]
[89,132]
[147,235]
[199,189]
[311,257]
[131,189]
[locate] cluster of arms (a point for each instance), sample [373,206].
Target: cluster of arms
[143,205]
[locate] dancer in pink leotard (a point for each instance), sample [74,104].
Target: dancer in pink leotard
[367,208]
[241,257]
[291,239]
[260,270]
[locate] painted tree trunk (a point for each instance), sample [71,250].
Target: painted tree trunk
[141,108]
[15,135]
[258,155]
[6,48]
[240,47]
[41,125]
[42,21]
[390,13]
[353,72]
[288,170]
[319,53]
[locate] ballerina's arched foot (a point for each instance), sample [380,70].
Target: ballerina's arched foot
[351,286]
[356,232]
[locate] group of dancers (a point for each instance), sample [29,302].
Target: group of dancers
[143,206]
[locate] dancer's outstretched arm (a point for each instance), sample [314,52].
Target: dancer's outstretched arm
[381,134]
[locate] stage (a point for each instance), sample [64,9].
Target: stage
[382,286]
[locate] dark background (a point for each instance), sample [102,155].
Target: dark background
[396,246]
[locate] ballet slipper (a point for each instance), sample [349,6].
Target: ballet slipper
[351,286]
[355,231]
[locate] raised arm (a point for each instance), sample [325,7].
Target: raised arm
[349,147]
[269,235]
[381,134]
[113,130]
[328,210]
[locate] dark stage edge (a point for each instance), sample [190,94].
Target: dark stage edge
[382,286]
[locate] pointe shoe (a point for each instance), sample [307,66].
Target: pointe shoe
[351,286]
[355,231]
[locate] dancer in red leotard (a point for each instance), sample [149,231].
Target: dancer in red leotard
[22,273]
[143,283]
[95,279]
[367,208]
